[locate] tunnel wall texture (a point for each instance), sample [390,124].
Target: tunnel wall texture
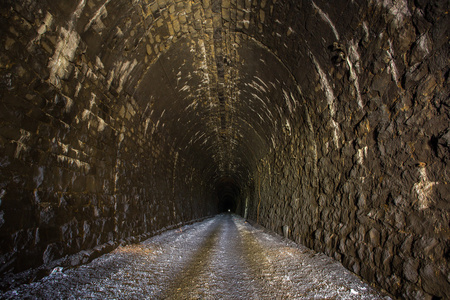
[79,167]
[362,173]
[331,119]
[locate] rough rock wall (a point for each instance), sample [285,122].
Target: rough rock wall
[363,176]
[79,167]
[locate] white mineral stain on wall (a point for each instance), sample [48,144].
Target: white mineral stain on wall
[96,19]
[326,88]
[99,63]
[293,99]
[65,51]
[392,67]
[260,117]
[64,147]
[185,88]
[366,31]
[121,138]
[353,57]
[204,62]
[288,101]
[423,189]
[258,86]
[397,8]
[130,107]
[193,105]
[101,124]
[205,141]
[288,127]
[179,76]
[48,21]
[259,98]
[424,44]
[74,162]
[65,48]
[85,114]
[110,79]
[325,17]
[361,154]
[290,31]
[262,82]
[336,132]
[146,123]
[78,89]
[313,139]
[39,178]
[123,69]
[21,143]
[69,104]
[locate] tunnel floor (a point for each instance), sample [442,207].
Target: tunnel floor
[221,258]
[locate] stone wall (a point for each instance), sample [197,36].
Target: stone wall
[363,174]
[79,166]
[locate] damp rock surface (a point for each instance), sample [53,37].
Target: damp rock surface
[221,258]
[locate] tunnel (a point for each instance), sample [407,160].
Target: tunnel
[121,119]
[228,194]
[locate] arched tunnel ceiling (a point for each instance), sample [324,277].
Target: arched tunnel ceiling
[218,80]
[202,76]
[226,125]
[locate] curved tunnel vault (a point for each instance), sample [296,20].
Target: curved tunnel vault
[123,118]
[228,123]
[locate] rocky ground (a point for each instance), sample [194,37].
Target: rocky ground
[221,258]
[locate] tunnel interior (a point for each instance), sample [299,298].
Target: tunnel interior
[228,193]
[120,119]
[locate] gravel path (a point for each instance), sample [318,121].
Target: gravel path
[221,258]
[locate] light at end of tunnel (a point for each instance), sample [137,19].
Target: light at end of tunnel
[228,194]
